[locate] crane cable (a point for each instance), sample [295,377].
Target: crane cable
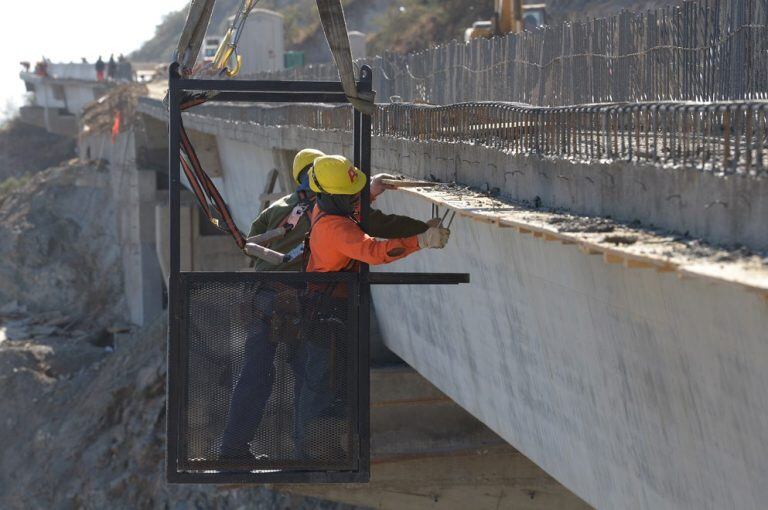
[335,28]
[226,54]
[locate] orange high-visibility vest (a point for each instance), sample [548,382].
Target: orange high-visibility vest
[337,243]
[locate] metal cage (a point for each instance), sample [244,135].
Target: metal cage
[300,341]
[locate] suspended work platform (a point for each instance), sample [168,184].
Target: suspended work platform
[301,338]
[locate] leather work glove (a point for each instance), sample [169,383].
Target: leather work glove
[434,222]
[378,187]
[434,237]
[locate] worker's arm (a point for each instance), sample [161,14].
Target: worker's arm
[349,239]
[393,226]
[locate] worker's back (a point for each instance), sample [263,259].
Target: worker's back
[275,216]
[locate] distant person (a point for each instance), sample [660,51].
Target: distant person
[41,67]
[99,69]
[83,60]
[111,67]
[124,69]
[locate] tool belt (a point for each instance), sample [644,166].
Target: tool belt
[323,318]
[285,323]
[277,306]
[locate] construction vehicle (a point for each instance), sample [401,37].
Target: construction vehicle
[210,46]
[509,16]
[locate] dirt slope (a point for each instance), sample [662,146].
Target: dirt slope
[27,149]
[82,398]
[59,248]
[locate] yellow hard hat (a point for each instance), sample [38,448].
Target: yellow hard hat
[303,159]
[335,175]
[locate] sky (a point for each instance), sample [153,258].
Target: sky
[68,30]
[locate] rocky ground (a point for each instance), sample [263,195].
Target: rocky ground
[82,395]
[26,149]
[59,244]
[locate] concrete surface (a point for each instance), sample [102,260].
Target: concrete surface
[49,119]
[726,210]
[429,453]
[134,198]
[634,388]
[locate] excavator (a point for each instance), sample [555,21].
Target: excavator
[509,16]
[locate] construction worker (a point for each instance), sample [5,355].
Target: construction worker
[111,68]
[255,381]
[99,66]
[338,243]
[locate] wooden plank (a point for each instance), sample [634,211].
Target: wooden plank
[528,221]
[589,250]
[269,188]
[638,264]
[405,183]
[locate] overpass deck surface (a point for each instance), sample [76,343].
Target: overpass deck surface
[632,386]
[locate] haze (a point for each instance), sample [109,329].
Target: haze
[68,31]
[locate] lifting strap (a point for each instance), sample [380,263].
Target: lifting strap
[198,17]
[335,28]
[206,192]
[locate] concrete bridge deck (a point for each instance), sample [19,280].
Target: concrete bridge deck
[628,363]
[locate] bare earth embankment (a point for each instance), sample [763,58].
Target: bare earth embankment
[82,395]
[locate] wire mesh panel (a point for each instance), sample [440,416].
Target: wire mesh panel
[267,377]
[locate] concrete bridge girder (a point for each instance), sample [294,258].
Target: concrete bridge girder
[625,384]
[725,210]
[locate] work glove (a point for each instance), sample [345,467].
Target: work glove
[378,187]
[434,237]
[434,222]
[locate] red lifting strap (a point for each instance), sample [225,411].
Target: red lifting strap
[205,190]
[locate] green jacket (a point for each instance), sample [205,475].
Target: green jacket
[385,226]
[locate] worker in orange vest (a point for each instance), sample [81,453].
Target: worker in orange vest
[256,380]
[337,243]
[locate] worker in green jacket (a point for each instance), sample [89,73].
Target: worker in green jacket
[254,384]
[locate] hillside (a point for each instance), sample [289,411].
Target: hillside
[20,152]
[406,25]
[298,14]
[82,394]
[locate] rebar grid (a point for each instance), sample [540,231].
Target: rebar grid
[726,137]
[706,50]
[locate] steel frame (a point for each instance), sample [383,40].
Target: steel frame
[284,92]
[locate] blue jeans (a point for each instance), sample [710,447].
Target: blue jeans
[312,395]
[316,396]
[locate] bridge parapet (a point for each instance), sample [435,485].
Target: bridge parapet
[697,169]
